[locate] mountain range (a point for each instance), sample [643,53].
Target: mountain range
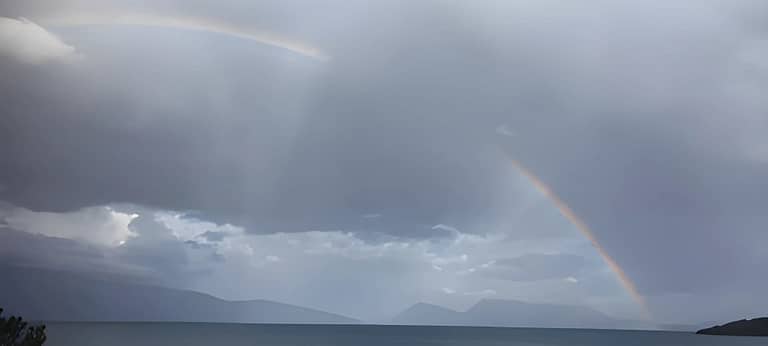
[511,313]
[49,295]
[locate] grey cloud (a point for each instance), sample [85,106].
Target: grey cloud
[213,236]
[668,208]
[533,267]
[415,150]
[21,249]
[332,161]
[153,255]
[175,261]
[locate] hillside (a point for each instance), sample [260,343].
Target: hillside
[753,327]
[60,296]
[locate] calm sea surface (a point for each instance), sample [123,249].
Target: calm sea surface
[192,334]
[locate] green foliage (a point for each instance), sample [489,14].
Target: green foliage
[14,332]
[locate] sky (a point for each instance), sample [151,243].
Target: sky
[359,157]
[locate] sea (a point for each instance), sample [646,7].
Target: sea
[193,334]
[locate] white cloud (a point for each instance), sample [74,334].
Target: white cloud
[445,228]
[480,293]
[571,279]
[485,292]
[504,130]
[95,225]
[27,42]
[442,261]
[186,228]
[488,264]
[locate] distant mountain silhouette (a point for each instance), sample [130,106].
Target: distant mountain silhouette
[61,296]
[495,312]
[428,314]
[753,327]
[511,313]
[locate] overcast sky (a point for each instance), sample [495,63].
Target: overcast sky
[357,157]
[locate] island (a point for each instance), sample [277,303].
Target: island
[753,327]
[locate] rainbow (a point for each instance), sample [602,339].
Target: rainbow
[185,23]
[574,219]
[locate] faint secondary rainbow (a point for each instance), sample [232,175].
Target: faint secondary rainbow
[569,214]
[186,23]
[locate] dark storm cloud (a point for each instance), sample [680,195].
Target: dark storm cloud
[658,166]
[21,249]
[151,253]
[661,205]
[40,250]
[364,140]
[648,119]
